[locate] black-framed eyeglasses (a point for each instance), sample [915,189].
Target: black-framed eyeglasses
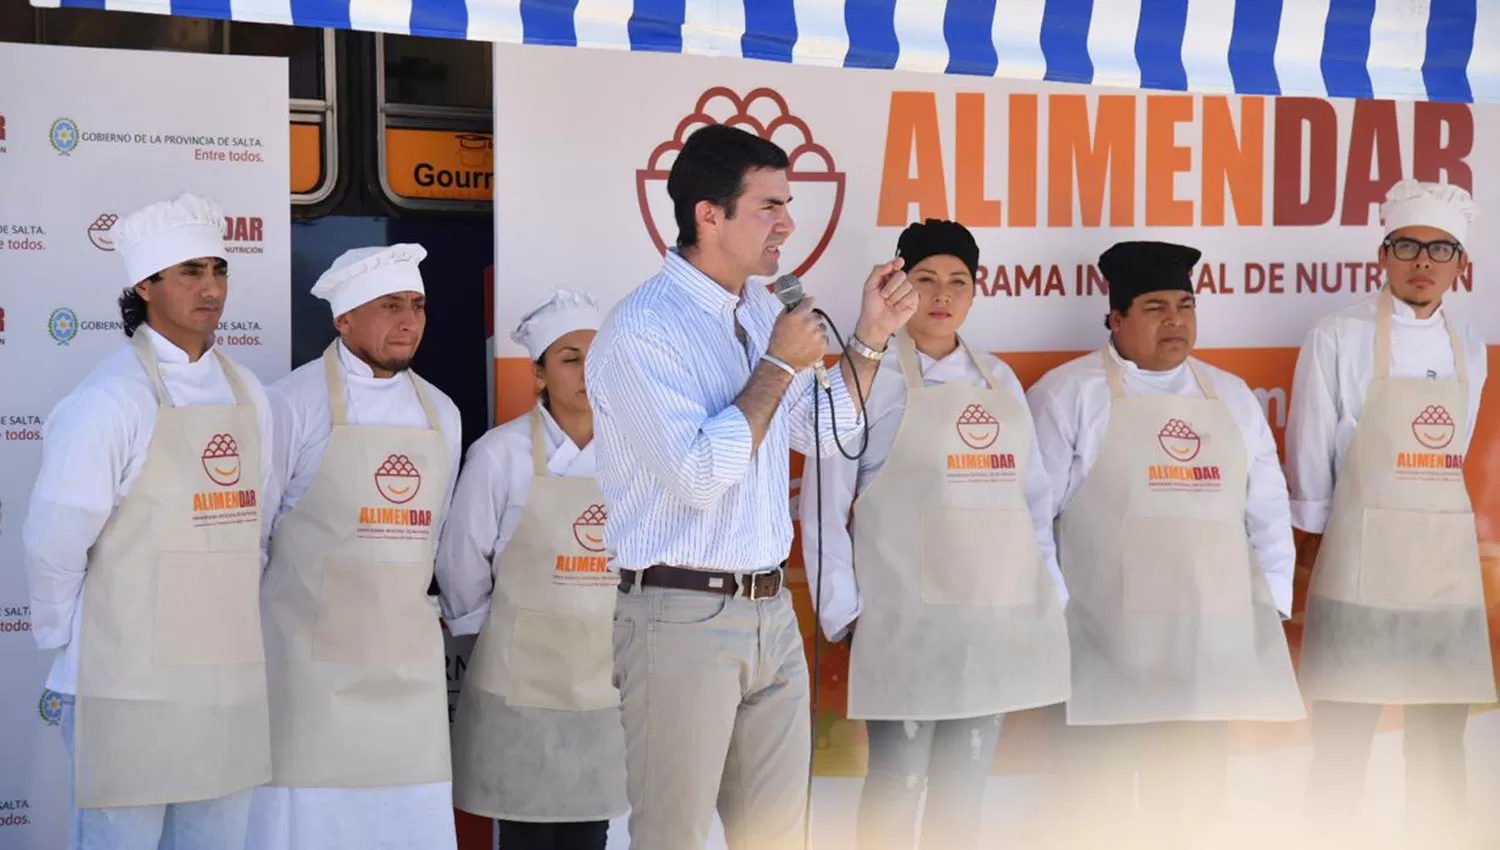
[1441,251]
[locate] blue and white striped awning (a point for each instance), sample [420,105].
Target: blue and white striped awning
[1401,49]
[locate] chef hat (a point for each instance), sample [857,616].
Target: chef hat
[561,312]
[161,235]
[1410,203]
[1135,268]
[360,275]
[934,237]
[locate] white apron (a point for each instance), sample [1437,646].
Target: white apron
[1170,617]
[538,735]
[960,617]
[171,671]
[1396,610]
[358,682]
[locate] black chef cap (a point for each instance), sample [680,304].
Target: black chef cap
[1135,268]
[934,237]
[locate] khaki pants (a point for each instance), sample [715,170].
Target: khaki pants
[714,693]
[1162,783]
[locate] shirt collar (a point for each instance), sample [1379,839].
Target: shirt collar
[1130,365]
[700,288]
[353,365]
[167,351]
[550,427]
[957,357]
[1402,310]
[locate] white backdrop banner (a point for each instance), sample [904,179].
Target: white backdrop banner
[89,136]
[1280,194]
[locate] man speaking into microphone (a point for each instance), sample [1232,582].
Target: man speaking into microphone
[701,384]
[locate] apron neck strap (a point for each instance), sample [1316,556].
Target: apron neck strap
[911,366]
[232,375]
[145,352]
[338,409]
[538,441]
[906,353]
[1115,375]
[333,372]
[1385,309]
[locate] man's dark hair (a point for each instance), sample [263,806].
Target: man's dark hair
[711,167]
[133,307]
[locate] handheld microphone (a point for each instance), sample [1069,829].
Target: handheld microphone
[788,289]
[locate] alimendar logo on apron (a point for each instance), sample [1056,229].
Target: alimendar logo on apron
[978,429]
[590,567]
[223,506]
[397,480]
[1182,444]
[1434,430]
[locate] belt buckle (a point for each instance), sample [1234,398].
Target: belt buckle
[753,595]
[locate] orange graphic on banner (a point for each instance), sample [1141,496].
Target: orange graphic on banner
[440,164]
[811,164]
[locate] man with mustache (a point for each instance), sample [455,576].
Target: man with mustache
[144,546]
[1383,407]
[1174,538]
[354,650]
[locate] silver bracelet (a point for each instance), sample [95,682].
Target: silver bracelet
[779,363]
[863,350]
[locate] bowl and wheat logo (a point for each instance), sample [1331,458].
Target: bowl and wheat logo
[1434,427]
[100,232]
[221,460]
[977,428]
[1179,440]
[816,183]
[588,529]
[398,479]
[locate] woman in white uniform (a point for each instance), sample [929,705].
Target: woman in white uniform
[538,741]
[948,562]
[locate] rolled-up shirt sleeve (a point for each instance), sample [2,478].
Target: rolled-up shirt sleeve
[1312,431]
[86,444]
[811,423]
[466,550]
[697,454]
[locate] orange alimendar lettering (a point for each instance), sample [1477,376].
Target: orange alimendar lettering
[972,461]
[581,564]
[223,501]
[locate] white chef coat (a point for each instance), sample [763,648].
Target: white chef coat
[94,445]
[1071,406]
[843,478]
[399,816]
[1334,371]
[487,505]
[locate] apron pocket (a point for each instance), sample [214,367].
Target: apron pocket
[562,662]
[373,612]
[1178,565]
[1417,559]
[979,558]
[208,608]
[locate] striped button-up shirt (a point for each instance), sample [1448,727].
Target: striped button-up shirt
[681,483]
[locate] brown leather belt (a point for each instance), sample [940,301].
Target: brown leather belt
[752,586]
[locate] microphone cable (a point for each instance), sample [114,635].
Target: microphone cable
[818,588]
